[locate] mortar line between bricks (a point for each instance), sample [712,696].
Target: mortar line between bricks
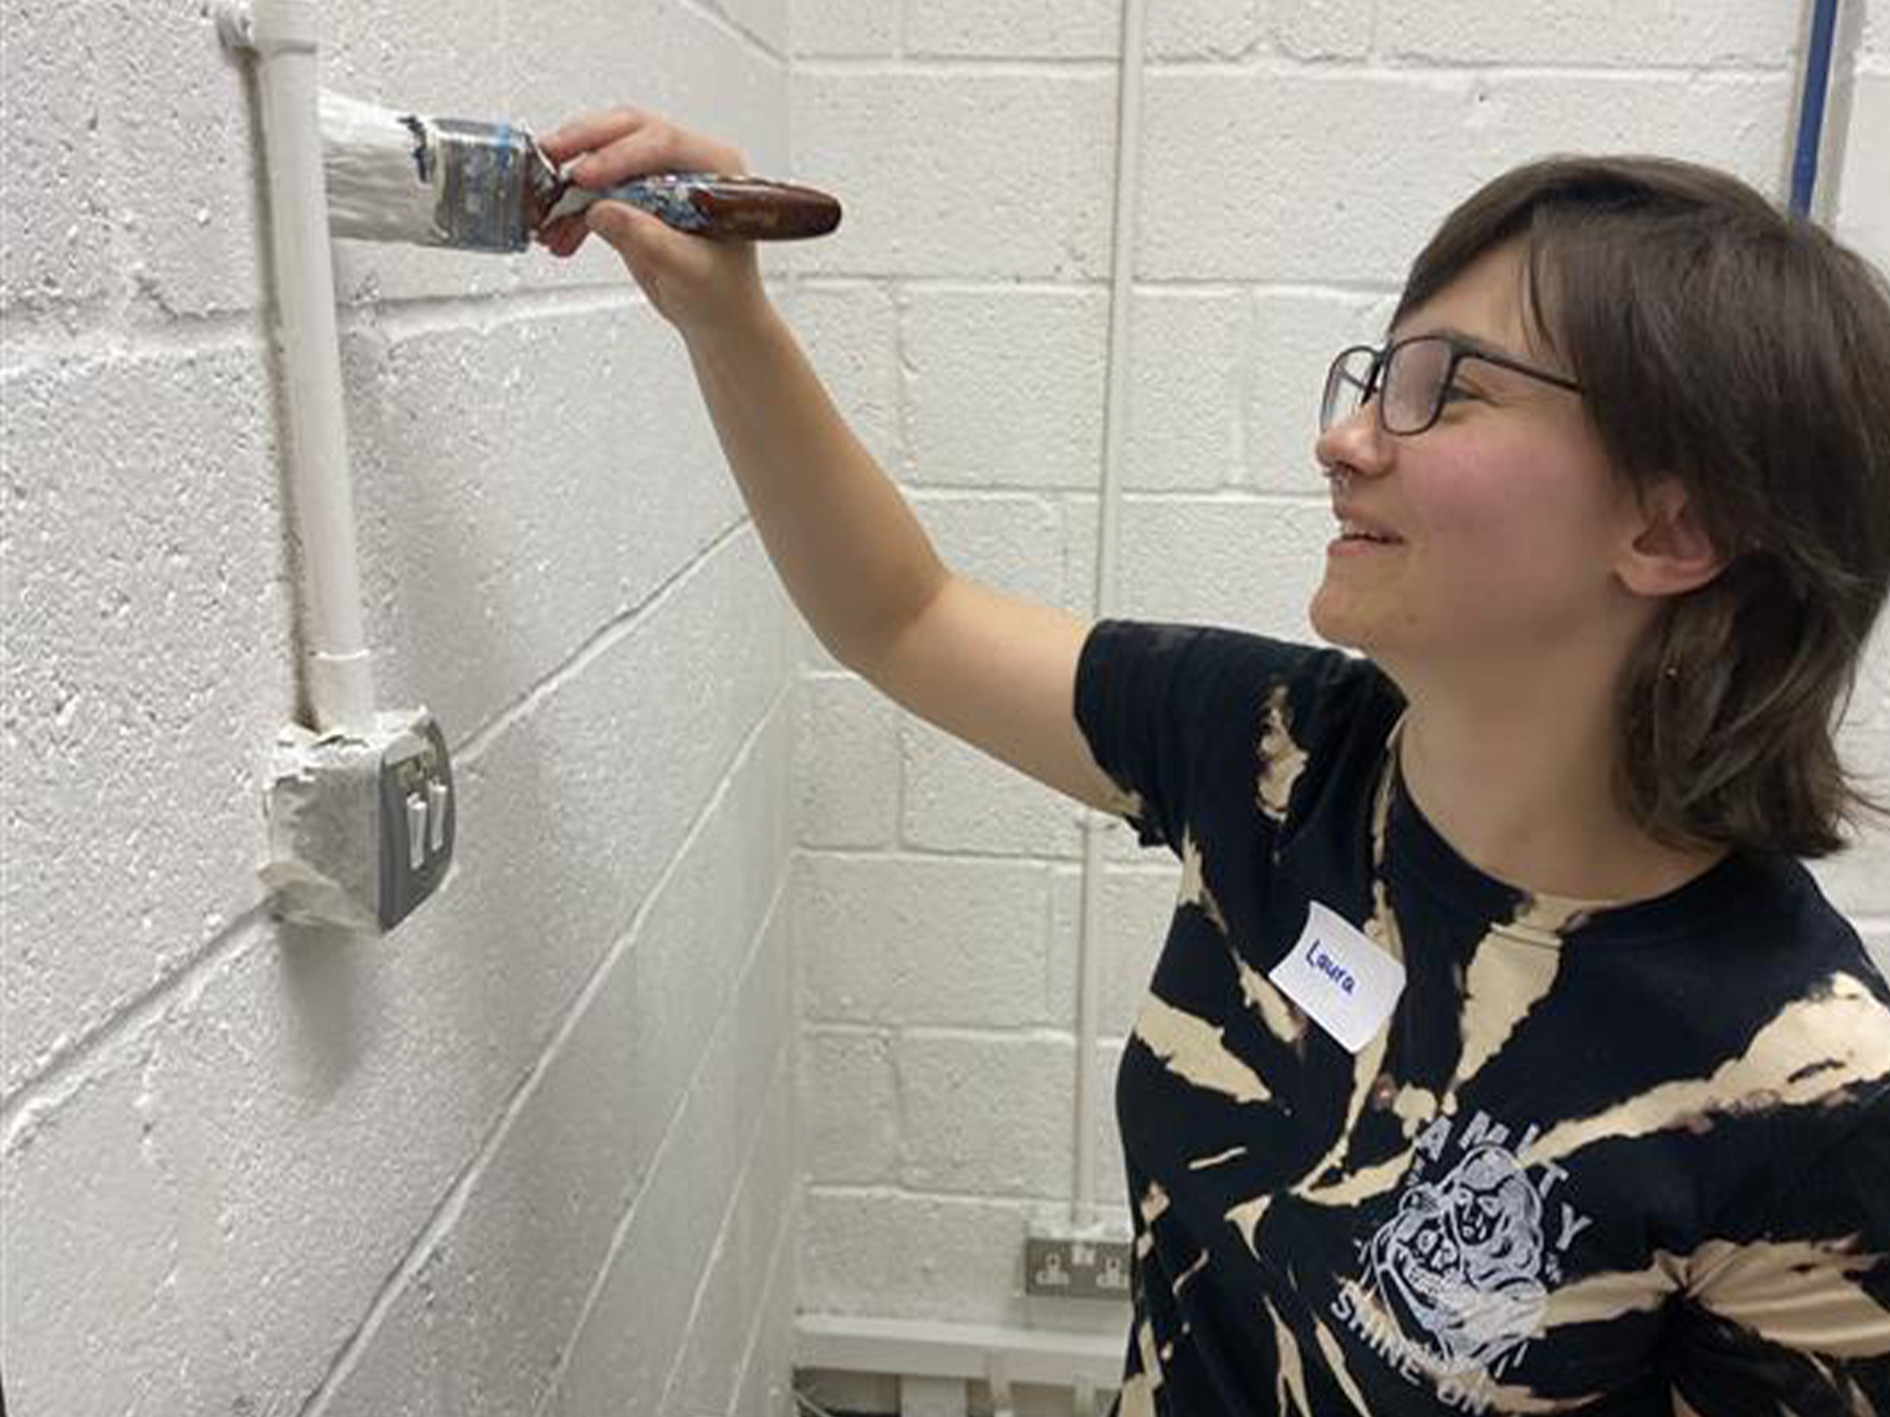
[64,1073]
[743,1175]
[958,285]
[950,1032]
[735,28]
[1497,70]
[967,1033]
[859,855]
[861,1190]
[104,339]
[954,66]
[606,638]
[621,1229]
[784,1234]
[462,314]
[453,1204]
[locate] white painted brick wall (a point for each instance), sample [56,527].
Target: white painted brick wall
[1296,154]
[535,1152]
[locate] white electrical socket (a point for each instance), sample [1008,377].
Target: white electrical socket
[1074,1267]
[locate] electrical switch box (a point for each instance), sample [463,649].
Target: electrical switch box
[417,809]
[362,823]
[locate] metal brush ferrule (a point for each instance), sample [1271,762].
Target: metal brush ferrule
[488,181]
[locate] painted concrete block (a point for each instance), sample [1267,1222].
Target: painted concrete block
[850,331]
[1874,43]
[1691,34]
[482,572]
[960,174]
[502,1289]
[92,1261]
[1190,363]
[959,799]
[850,29]
[1005,387]
[1199,560]
[1320,31]
[737,1303]
[985,1113]
[867,1251]
[764,23]
[905,940]
[185,182]
[627,1347]
[57,223]
[399,1059]
[149,670]
[1013,29]
[849,1105]
[766,1382]
[1203,29]
[846,765]
[1007,541]
[1237,185]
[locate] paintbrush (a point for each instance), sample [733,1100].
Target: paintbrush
[473,186]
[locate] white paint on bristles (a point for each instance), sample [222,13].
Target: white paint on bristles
[375,191]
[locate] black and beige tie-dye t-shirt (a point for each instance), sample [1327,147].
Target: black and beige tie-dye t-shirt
[1596,1159]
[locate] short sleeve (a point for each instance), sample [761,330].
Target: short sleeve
[1794,1315]
[1171,711]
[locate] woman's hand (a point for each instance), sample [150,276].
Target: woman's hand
[701,286]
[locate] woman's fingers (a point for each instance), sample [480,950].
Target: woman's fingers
[590,130]
[621,143]
[644,149]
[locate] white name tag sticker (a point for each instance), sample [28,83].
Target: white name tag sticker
[1344,980]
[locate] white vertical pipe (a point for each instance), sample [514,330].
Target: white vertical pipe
[340,678]
[1109,515]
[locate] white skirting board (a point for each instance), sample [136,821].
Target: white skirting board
[923,1348]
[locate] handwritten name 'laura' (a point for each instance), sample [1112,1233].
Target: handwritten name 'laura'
[1330,967]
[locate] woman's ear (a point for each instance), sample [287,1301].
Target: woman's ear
[1668,551]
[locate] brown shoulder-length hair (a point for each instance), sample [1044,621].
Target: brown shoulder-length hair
[1739,349]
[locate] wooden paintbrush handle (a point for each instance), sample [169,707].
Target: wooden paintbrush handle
[710,204]
[754,209]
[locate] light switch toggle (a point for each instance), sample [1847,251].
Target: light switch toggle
[436,815]
[417,814]
[416,829]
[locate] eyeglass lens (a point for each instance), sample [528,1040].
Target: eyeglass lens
[1409,382]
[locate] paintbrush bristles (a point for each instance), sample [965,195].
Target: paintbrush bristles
[370,163]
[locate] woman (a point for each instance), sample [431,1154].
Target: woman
[1502,1056]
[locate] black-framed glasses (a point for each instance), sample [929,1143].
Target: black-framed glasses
[1413,378]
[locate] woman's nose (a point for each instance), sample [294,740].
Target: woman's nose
[1355,441]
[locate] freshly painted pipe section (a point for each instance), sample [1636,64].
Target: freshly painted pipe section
[1811,104]
[339,673]
[1108,559]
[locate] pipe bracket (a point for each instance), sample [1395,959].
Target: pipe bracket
[268,26]
[236,27]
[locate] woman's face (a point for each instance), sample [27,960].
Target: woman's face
[1508,520]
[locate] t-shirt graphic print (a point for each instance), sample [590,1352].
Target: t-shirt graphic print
[1594,1157]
